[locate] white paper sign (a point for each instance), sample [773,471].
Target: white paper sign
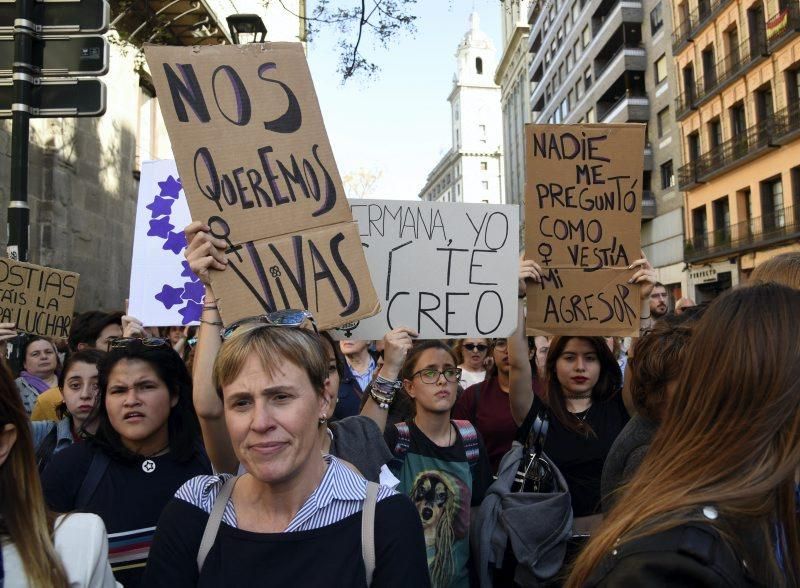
[163,290]
[448,270]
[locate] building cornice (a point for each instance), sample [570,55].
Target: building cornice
[510,49]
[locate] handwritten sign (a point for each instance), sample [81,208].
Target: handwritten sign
[583,217]
[163,290]
[257,167]
[39,300]
[445,269]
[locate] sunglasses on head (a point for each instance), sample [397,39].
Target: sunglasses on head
[278,318]
[128,342]
[475,346]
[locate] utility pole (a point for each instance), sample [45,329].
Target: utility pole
[18,209]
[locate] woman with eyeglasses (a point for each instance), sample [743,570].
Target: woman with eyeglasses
[473,354]
[39,549]
[296,516]
[78,385]
[356,440]
[147,444]
[441,463]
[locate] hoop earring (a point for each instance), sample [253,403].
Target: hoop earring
[323,419]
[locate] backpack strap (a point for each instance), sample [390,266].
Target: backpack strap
[214,520]
[368,530]
[470,437]
[97,470]
[46,447]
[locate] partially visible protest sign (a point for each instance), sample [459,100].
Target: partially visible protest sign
[39,300]
[257,167]
[163,290]
[444,269]
[583,208]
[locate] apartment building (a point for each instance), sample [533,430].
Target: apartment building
[607,61]
[739,109]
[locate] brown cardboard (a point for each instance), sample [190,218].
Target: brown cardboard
[287,266]
[583,208]
[39,300]
[250,114]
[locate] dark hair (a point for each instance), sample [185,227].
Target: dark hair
[90,356]
[659,285]
[27,341]
[658,360]
[407,371]
[184,428]
[608,384]
[86,327]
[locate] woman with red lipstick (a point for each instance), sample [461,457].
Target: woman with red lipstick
[78,385]
[147,444]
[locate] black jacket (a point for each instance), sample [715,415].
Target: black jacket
[690,556]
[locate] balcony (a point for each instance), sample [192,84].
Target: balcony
[632,106]
[648,157]
[739,149]
[687,29]
[782,25]
[648,205]
[779,225]
[726,70]
[624,59]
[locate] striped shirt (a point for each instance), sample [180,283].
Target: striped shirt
[129,550]
[339,495]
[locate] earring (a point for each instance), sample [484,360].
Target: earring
[323,419]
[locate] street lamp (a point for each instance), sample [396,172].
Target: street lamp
[246,24]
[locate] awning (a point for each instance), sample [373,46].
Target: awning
[174,22]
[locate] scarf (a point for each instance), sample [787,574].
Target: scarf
[35,381]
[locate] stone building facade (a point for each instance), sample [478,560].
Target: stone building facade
[83,173]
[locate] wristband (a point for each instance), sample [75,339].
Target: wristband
[387,386]
[384,401]
[215,323]
[210,307]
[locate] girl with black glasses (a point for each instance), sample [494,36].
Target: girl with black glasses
[147,444]
[441,464]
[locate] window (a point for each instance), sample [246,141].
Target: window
[484,166]
[793,86]
[576,49]
[579,90]
[772,212]
[571,99]
[479,65]
[693,144]
[714,132]
[590,116]
[564,108]
[663,122]
[661,69]
[764,104]
[576,11]
[569,60]
[485,185]
[586,36]
[699,227]
[587,78]
[667,175]
[722,220]
[738,121]
[656,19]
[709,68]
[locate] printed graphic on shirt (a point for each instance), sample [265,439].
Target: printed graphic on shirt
[441,492]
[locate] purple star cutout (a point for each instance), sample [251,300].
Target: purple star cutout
[160,206]
[170,187]
[175,242]
[187,272]
[169,296]
[161,228]
[191,312]
[193,291]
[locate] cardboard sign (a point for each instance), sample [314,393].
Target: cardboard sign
[444,269]
[257,167]
[583,203]
[163,290]
[39,300]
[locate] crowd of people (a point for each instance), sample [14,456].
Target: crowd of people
[268,451]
